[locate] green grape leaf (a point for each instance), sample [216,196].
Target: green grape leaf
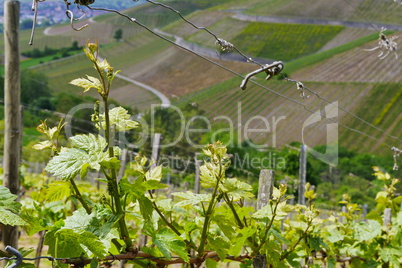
[61,246]
[167,242]
[9,208]
[74,242]
[207,177]
[43,145]
[154,174]
[68,163]
[334,236]
[32,223]
[87,83]
[57,191]
[89,143]
[210,263]
[119,119]
[191,199]
[7,200]
[111,163]
[9,218]
[103,65]
[220,245]
[263,213]
[153,185]
[94,263]
[365,231]
[237,189]
[240,240]
[88,151]
[390,254]
[146,207]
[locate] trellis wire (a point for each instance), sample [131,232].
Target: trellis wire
[342,108]
[299,85]
[229,70]
[226,46]
[260,85]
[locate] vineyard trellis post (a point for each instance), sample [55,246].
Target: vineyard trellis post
[265,189]
[197,174]
[387,217]
[302,173]
[12,112]
[124,160]
[155,149]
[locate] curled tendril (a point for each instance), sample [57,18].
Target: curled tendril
[70,15]
[397,152]
[385,45]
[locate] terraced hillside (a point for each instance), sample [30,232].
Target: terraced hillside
[350,10]
[376,103]
[355,65]
[328,59]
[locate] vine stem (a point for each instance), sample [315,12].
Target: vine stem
[256,251]
[296,243]
[208,214]
[113,175]
[169,224]
[113,179]
[237,218]
[80,197]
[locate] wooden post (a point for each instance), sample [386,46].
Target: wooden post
[12,115]
[387,217]
[260,261]
[155,149]
[124,158]
[302,174]
[365,209]
[343,211]
[265,187]
[197,175]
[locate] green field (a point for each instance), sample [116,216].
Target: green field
[284,41]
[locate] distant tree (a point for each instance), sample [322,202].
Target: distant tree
[118,34]
[26,24]
[34,85]
[75,46]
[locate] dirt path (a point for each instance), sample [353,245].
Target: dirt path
[165,102]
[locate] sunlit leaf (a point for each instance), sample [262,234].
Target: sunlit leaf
[119,119]
[87,83]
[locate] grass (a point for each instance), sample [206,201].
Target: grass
[271,40]
[284,41]
[37,61]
